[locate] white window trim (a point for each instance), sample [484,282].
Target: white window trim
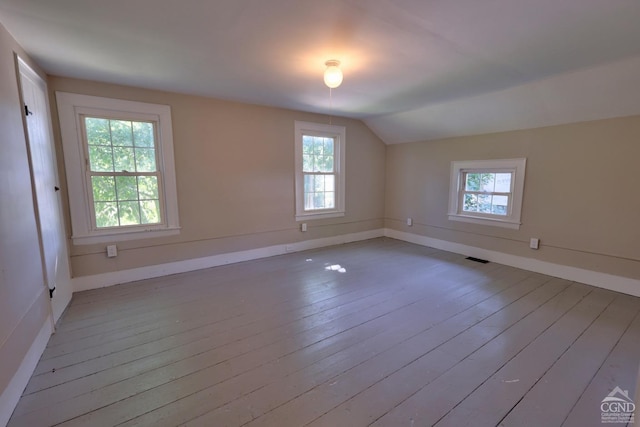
[339,135]
[70,108]
[455,187]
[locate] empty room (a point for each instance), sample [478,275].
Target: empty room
[344,213]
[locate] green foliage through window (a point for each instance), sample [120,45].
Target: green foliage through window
[318,167]
[124,173]
[487,193]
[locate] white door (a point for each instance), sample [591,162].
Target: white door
[45,180]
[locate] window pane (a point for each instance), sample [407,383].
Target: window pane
[318,146]
[124,159]
[323,164]
[317,154]
[470,203]
[318,200]
[327,164]
[319,192]
[308,183]
[129,213]
[106,214]
[329,200]
[500,204]
[328,146]
[127,188]
[137,196]
[121,133]
[148,187]
[97,131]
[330,183]
[307,163]
[100,159]
[484,203]
[307,144]
[143,134]
[308,201]
[473,182]
[487,182]
[503,183]
[104,188]
[145,160]
[150,212]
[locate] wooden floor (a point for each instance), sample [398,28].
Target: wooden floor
[380,333]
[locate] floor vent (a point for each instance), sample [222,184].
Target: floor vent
[483,261]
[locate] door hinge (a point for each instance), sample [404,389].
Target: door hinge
[27,112]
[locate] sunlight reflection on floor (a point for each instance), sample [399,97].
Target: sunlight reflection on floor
[336,267]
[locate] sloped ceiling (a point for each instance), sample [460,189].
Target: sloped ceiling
[414,69]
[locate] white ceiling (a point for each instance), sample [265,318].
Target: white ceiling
[414,69]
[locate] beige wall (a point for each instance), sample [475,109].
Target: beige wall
[24,305]
[235,177]
[581,194]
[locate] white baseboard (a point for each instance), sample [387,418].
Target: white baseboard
[125,276]
[603,280]
[11,395]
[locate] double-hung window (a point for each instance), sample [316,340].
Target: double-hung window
[119,162]
[487,191]
[320,153]
[122,171]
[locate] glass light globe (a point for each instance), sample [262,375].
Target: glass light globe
[333,74]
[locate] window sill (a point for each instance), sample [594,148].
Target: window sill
[485,221]
[119,236]
[310,216]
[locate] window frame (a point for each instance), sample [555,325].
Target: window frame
[459,169]
[338,133]
[72,108]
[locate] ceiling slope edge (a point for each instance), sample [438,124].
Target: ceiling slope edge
[601,92]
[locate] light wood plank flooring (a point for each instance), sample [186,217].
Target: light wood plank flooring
[380,333]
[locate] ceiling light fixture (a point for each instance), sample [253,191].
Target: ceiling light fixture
[333,74]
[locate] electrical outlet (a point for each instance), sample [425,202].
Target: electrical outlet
[112,251]
[303,227]
[534,243]
[409,222]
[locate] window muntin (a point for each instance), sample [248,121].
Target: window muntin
[319,165]
[122,172]
[487,192]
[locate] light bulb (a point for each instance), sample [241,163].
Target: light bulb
[333,74]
